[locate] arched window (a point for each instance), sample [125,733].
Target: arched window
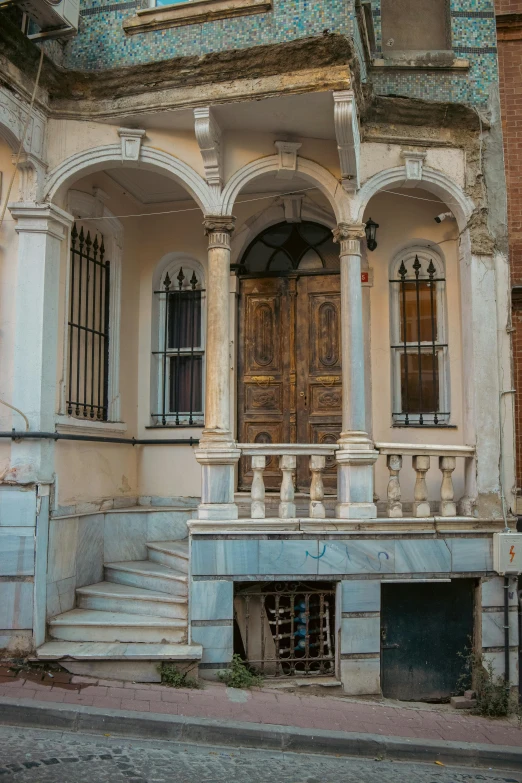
[180,349]
[286,247]
[419,351]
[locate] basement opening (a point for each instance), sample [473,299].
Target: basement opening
[286,629]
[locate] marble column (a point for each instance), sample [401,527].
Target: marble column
[356,455]
[42,229]
[217,454]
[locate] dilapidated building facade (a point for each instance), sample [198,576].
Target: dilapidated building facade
[255,340]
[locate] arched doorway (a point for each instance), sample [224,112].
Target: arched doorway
[289,351]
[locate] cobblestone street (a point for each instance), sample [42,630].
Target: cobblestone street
[39,756]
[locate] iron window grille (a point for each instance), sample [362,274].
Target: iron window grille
[419,352]
[88,327]
[181,353]
[287,629]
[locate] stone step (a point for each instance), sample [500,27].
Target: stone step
[111,597]
[147,575]
[173,554]
[88,625]
[134,662]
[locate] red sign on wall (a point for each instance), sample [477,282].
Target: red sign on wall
[364,277]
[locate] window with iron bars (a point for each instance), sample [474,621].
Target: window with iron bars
[286,629]
[181,350]
[88,327]
[418,344]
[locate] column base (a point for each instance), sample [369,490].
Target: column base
[218,463]
[355,483]
[356,511]
[217,511]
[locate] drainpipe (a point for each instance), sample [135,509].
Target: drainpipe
[519,641]
[507,674]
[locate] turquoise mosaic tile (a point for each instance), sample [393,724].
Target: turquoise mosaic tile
[102,43]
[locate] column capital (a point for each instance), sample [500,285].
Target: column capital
[348,236]
[218,229]
[41,219]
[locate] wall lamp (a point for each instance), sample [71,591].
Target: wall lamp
[370,229]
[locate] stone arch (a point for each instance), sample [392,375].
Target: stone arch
[308,169]
[98,158]
[432,180]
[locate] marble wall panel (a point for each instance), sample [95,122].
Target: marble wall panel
[471,554]
[16,551]
[493,591]
[167,525]
[90,550]
[17,507]
[288,557]
[125,537]
[356,557]
[361,676]
[214,558]
[493,629]
[360,635]
[16,606]
[497,661]
[217,642]
[63,544]
[424,556]
[61,596]
[361,595]
[18,642]
[212,600]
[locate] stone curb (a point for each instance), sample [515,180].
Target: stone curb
[207,731]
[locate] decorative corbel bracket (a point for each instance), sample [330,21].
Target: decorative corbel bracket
[348,138]
[208,136]
[413,164]
[131,139]
[287,151]
[32,175]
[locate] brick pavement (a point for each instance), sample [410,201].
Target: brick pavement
[264,706]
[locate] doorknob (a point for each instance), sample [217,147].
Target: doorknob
[301,394]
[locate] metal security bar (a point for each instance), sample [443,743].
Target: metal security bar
[419,349]
[288,629]
[88,360]
[181,353]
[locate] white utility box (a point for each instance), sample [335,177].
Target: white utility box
[507,553]
[56,18]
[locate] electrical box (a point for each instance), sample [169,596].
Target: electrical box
[56,18]
[507,553]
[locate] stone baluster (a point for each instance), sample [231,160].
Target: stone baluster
[421,507]
[287,463]
[448,507]
[257,491]
[394,462]
[317,509]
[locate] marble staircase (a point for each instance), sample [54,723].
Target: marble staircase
[124,625]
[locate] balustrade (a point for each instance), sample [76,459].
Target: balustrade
[421,458]
[421,506]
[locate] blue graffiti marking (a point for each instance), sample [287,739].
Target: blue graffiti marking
[316,557]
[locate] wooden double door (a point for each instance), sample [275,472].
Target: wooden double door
[289,371]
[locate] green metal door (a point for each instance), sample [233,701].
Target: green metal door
[425,630]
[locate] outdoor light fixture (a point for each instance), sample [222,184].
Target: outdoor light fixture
[370,228]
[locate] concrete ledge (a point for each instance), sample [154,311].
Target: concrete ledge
[195,12]
[122,723]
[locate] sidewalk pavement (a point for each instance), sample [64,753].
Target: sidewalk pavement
[264,706]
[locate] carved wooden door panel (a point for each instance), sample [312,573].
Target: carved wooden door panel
[319,384]
[266,369]
[289,369]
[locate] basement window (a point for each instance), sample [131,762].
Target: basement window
[286,629]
